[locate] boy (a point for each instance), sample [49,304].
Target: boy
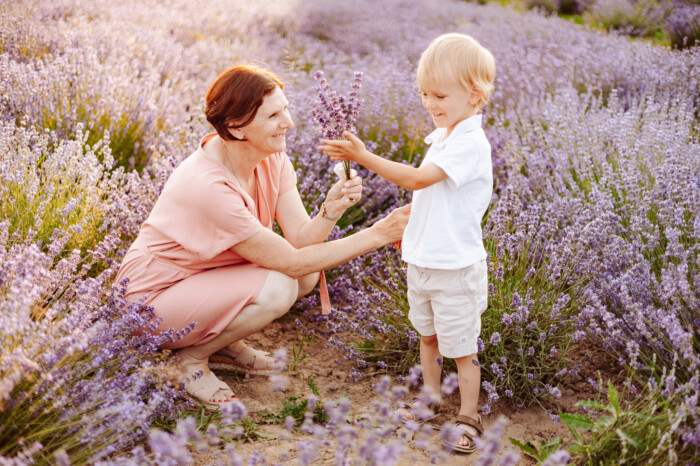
[442,244]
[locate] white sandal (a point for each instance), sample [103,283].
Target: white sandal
[201,389]
[248,361]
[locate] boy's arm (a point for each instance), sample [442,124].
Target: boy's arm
[405,176]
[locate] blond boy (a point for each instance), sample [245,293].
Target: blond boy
[442,244]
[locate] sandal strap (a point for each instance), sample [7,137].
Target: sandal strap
[253,358]
[204,387]
[470,421]
[417,404]
[435,407]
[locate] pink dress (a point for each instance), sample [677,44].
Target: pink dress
[182,261]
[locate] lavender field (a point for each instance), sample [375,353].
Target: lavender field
[593,232]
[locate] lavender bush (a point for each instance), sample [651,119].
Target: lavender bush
[634,18]
[74,378]
[75,382]
[683,25]
[592,233]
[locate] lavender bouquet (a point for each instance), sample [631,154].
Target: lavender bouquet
[336,113]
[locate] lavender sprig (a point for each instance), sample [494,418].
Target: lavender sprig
[336,113]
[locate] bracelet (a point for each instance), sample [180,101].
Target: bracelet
[324,214]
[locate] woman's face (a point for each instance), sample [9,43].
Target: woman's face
[267,132]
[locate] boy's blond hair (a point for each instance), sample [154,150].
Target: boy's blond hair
[459,56]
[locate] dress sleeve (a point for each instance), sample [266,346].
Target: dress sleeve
[205,217]
[288,177]
[226,221]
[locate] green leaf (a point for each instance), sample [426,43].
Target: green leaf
[313,388]
[631,438]
[577,420]
[551,445]
[528,447]
[614,398]
[603,423]
[593,404]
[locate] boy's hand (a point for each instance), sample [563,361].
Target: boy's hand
[351,149]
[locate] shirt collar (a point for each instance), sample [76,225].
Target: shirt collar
[467,125]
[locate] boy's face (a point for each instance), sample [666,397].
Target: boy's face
[448,102]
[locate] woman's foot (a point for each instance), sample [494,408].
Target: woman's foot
[239,357]
[201,383]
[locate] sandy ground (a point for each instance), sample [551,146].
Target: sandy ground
[333,382]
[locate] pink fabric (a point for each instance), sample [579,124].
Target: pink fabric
[182,262]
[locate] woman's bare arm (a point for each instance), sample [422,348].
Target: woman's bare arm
[271,251]
[299,229]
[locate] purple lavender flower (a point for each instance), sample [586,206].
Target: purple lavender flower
[278,383]
[449,384]
[558,458]
[414,375]
[280,358]
[335,113]
[232,412]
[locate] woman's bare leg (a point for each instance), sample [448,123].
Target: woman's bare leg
[276,297]
[305,285]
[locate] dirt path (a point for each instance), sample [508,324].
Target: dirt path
[332,380]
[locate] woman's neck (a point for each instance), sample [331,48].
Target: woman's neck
[237,159]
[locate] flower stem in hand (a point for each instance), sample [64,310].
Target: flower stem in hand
[343,168]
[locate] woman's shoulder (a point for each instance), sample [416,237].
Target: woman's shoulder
[197,181]
[275,164]
[278,158]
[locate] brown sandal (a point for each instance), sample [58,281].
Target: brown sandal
[471,422]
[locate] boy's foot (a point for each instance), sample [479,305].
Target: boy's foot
[418,411]
[471,428]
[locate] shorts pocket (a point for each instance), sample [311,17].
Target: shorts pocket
[468,281]
[416,278]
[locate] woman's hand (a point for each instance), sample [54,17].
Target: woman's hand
[392,226]
[344,194]
[351,149]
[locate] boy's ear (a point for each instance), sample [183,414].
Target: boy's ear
[475,97]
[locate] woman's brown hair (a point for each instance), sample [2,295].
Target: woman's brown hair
[235,96]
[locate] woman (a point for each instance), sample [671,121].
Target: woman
[207,252]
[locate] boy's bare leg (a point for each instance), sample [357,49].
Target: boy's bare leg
[429,353]
[432,371]
[469,376]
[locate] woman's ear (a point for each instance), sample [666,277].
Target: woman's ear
[236,133]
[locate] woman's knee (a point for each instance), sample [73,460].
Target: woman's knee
[278,294]
[307,283]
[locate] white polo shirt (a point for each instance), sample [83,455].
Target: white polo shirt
[444,229]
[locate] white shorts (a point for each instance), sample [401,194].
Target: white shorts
[449,303]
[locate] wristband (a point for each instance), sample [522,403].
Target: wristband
[324,214]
